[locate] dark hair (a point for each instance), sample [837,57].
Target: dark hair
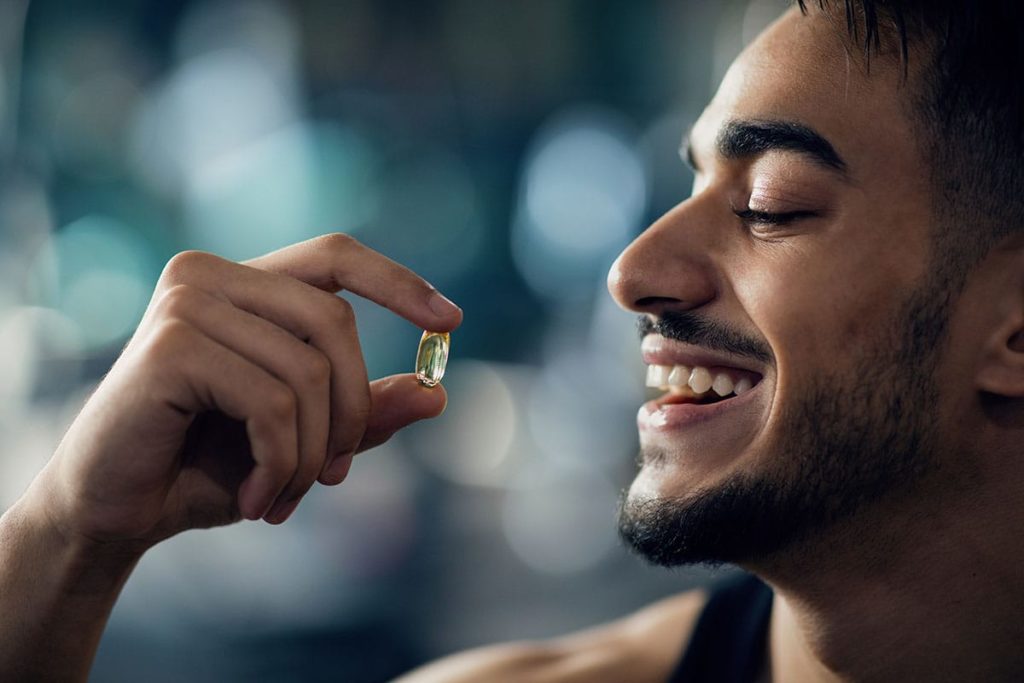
[968,98]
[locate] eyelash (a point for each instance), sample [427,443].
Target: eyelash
[752,217]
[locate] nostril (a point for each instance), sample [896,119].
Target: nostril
[655,301]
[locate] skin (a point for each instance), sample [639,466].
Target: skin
[924,587]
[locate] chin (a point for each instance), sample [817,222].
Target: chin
[686,472]
[736,521]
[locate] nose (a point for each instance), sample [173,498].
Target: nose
[669,265]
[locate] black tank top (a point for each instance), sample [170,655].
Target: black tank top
[729,640]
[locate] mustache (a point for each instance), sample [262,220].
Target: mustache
[690,328]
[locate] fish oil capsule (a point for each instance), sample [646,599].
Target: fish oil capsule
[432,357]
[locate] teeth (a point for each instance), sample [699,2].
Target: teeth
[681,379]
[722,385]
[657,376]
[700,380]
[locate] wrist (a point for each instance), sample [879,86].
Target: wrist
[56,592]
[85,563]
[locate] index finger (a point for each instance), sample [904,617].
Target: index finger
[338,262]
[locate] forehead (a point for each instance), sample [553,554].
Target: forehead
[801,69]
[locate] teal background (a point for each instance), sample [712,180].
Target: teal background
[507,151]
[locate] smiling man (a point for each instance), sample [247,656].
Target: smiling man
[835,317]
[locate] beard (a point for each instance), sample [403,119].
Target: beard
[850,441]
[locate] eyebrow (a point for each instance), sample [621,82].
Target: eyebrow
[743,139]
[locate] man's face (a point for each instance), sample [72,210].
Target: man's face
[799,264]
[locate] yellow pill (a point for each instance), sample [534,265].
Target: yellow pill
[432,357]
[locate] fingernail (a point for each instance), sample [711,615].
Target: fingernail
[281,511]
[441,305]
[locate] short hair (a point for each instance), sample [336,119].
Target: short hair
[967,98]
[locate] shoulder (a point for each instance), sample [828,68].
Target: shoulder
[643,646]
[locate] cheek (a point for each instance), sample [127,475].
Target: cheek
[829,303]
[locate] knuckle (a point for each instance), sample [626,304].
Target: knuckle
[174,334]
[339,241]
[280,405]
[281,467]
[169,340]
[316,368]
[183,265]
[339,311]
[333,312]
[178,301]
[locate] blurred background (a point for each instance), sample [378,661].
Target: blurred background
[505,151]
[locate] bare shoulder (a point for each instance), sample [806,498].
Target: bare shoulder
[643,646]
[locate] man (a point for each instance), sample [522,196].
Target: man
[837,310]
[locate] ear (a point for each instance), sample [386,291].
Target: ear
[1002,361]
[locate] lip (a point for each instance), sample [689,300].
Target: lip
[657,350]
[659,415]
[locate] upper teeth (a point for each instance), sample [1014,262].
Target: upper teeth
[698,379]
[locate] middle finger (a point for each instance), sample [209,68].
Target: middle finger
[320,318]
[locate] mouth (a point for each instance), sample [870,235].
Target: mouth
[697,385]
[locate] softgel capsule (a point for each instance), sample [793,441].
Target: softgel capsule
[432,357]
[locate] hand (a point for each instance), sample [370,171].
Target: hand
[243,385]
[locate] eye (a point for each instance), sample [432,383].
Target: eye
[766,220]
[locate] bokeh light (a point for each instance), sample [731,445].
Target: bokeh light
[473,442]
[560,520]
[91,127]
[99,273]
[583,196]
[182,130]
[285,187]
[26,221]
[432,216]
[30,334]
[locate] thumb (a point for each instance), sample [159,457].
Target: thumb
[395,402]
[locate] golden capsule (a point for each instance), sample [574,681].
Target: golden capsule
[432,357]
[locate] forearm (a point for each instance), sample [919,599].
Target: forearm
[55,595]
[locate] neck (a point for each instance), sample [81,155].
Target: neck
[906,596]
